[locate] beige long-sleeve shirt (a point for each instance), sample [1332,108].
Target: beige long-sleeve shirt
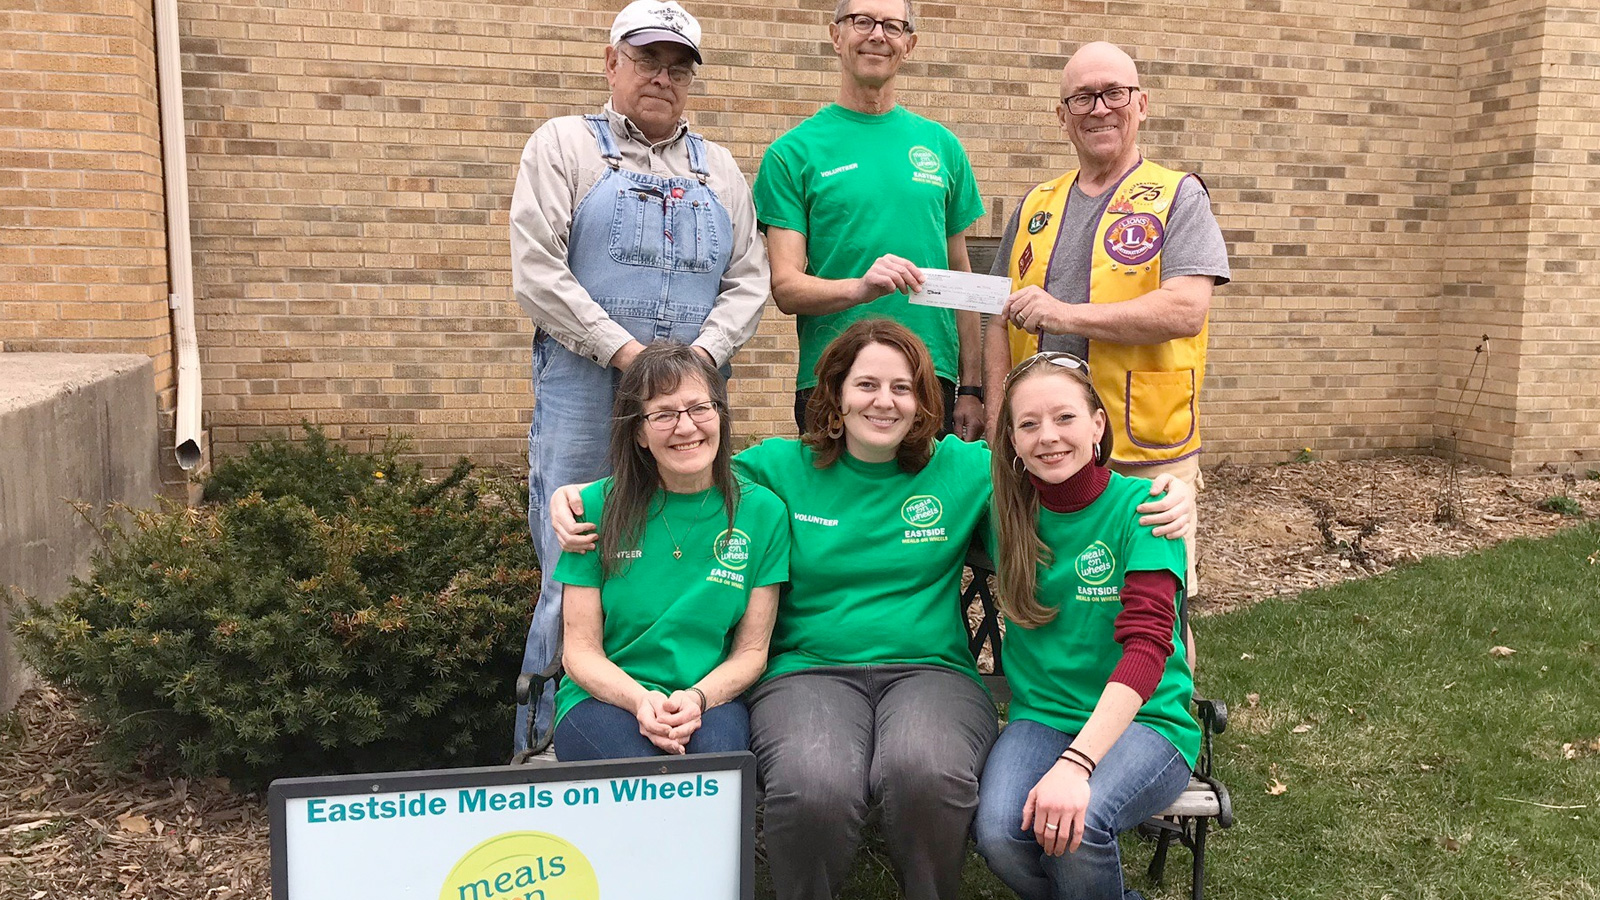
[560,163]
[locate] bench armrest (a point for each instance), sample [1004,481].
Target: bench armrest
[529,686]
[1213,715]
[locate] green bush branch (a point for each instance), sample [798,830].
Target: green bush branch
[328,611]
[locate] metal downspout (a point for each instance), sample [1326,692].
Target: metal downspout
[180,261]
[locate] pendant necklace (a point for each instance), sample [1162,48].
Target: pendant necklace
[677,548]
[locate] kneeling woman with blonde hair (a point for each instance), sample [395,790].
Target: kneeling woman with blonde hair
[1100,736]
[669,623]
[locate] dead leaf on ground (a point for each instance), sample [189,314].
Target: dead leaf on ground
[133,823]
[1276,787]
[1449,843]
[1576,749]
[1302,728]
[1501,652]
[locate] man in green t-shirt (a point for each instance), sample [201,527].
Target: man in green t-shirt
[855,199]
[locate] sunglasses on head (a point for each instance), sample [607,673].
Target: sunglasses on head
[1053,357]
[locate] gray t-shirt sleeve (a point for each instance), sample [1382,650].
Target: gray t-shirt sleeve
[1194,244]
[1002,259]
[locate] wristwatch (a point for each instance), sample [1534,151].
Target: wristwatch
[970,390]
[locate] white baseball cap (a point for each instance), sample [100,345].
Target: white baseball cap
[647,21]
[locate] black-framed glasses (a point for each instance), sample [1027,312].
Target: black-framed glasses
[863,24]
[667,419]
[1112,97]
[1054,357]
[649,67]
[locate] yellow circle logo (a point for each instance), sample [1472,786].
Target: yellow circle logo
[922,511]
[521,864]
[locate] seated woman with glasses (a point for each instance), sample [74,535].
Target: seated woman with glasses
[1100,736]
[669,623]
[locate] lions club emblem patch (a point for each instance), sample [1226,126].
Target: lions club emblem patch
[1134,239]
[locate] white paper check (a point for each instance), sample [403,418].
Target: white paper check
[963,290]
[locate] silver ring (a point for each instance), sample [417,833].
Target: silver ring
[1051,826]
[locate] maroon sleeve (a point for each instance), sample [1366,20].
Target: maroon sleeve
[1144,629]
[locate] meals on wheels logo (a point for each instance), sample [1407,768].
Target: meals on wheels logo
[732,549]
[924,159]
[522,865]
[1096,563]
[922,511]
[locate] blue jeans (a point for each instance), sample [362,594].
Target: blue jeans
[594,729]
[1139,777]
[568,440]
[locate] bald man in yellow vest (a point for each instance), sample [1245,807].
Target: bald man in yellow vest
[1115,262]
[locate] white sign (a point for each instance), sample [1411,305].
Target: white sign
[568,831]
[963,290]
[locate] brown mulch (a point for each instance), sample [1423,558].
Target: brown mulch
[1267,530]
[72,826]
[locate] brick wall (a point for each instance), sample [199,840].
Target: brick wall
[1396,178]
[1559,387]
[82,227]
[1522,235]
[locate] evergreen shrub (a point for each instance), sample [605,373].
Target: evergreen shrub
[326,612]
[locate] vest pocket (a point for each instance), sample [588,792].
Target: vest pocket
[1160,408]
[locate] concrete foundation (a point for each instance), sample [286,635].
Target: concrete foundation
[73,427]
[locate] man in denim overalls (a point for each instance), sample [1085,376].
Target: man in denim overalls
[626,228]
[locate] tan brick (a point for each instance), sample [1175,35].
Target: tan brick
[1390,189]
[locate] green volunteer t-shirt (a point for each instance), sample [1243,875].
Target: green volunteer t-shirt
[669,622]
[1058,671]
[876,554]
[859,186]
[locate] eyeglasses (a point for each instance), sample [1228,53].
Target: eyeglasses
[667,419]
[863,24]
[1053,357]
[649,67]
[1112,97]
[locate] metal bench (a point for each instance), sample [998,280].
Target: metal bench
[1203,802]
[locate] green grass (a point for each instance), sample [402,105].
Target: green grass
[1421,745]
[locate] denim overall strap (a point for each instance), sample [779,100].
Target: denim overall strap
[697,156]
[601,128]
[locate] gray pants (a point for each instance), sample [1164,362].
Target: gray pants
[830,742]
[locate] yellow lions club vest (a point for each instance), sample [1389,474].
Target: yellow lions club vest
[1151,391]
